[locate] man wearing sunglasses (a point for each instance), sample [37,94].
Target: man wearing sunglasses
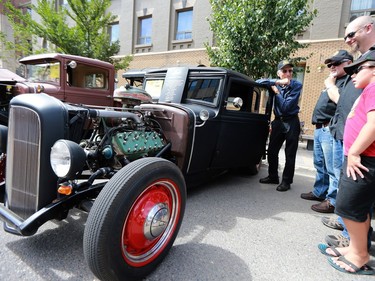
[325,187]
[285,127]
[360,36]
[359,33]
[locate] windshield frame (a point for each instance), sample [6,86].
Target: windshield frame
[43,72]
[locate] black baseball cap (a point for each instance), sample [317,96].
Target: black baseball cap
[368,56]
[339,56]
[284,63]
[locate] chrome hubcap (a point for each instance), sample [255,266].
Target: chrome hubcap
[156,221]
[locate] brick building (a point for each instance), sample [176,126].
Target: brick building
[162,33]
[6,59]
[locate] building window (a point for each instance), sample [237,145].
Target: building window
[362,8]
[44,43]
[145,29]
[61,3]
[26,10]
[114,31]
[184,25]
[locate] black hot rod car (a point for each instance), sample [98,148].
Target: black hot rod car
[129,167]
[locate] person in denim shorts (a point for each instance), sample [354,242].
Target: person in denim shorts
[356,195]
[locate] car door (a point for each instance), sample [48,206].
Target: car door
[244,128]
[88,84]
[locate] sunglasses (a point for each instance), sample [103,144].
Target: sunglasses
[337,63]
[287,70]
[359,68]
[350,35]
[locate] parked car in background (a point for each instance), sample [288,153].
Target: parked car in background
[129,167]
[69,78]
[8,82]
[135,77]
[132,92]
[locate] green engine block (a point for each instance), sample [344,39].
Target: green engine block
[137,144]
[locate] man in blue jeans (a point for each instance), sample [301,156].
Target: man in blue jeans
[326,180]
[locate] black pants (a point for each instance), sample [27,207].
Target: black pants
[288,131]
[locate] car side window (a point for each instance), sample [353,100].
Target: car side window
[205,89]
[249,95]
[89,77]
[255,100]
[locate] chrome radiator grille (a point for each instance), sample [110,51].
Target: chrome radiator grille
[23,161]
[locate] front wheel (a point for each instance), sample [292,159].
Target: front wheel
[135,220]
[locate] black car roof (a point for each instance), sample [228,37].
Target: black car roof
[203,70]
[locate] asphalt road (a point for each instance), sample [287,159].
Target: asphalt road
[234,229]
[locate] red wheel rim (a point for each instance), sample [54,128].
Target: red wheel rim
[151,222]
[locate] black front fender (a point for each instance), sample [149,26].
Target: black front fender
[27,227]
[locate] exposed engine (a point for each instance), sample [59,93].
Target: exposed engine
[116,141]
[80,144]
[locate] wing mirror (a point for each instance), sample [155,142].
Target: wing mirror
[237,102]
[72,64]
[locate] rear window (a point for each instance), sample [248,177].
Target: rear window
[95,81]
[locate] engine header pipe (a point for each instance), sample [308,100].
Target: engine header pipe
[114,114]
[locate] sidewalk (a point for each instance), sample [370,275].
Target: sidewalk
[304,160]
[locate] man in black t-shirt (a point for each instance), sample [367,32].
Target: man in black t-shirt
[326,181]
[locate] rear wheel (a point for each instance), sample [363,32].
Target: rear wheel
[135,220]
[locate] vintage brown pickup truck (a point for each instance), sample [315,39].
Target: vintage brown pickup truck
[69,78]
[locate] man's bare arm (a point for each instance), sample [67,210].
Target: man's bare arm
[332,90]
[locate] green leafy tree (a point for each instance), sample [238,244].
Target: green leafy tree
[252,36]
[78,29]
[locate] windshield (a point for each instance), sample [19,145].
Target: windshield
[153,87]
[43,72]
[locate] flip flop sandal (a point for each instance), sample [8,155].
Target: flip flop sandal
[364,270]
[323,247]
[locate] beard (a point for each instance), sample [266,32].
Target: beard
[333,74]
[354,47]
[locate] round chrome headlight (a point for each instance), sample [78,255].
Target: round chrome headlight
[67,159]
[204,115]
